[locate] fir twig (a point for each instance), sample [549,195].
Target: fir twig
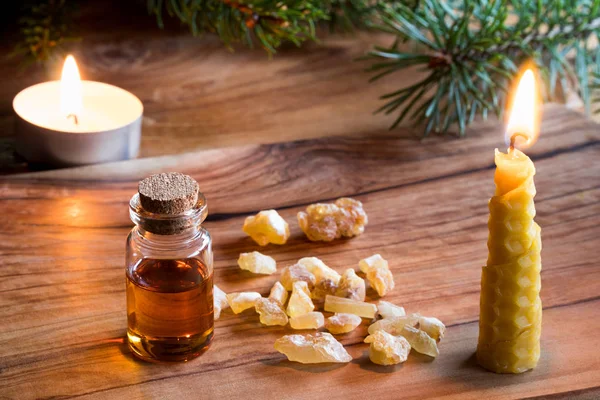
[45,28]
[270,22]
[471,51]
[595,90]
[349,15]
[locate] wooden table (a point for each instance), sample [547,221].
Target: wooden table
[62,242]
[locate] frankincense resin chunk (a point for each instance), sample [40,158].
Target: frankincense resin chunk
[219,301]
[326,279]
[257,263]
[320,347]
[381,280]
[300,302]
[375,261]
[278,293]
[311,320]
[389,310]
[420,341]
[319,269]
[433,327]
[387,349]
[351,286]
[328,221]
[295,273]
[394,325]
[271,312]
[322,289]
[342,323]
[242,301]
[267,227]
[340,305]
[378,274]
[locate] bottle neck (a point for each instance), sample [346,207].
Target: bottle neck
[188,234]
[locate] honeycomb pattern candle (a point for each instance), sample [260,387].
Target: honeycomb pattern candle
[510,309]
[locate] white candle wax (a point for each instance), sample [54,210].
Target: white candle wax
[108,126]
[105,107]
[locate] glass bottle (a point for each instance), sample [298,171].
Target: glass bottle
[169,275]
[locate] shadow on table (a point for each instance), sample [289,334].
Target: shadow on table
[471,374]
[312,368]
[365,363]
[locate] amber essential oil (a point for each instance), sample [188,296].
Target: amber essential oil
[169,309]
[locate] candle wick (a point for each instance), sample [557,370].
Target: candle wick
[76,120]
[513,139]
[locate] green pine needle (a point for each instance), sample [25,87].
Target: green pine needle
[473,49]
[266,22]
[46,26]
[350,15]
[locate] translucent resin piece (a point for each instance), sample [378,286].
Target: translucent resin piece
[300,302]
[311,320]
[375,261]
[390,310]
[387,349]
[381,280]
[271,312]
[342,323]
[433,327]
[351,286]
[278,293]
[326,279]
[267,227]
[219,301]
[326,222]
[320,347]
[340,305]
[257,263]
[319,269]
[242,301]
[322,289]
[378,274]
[420,341]
[394,325]
[295,273]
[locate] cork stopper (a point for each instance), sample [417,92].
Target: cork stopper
[169,193]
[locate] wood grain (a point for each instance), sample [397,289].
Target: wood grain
[62,300]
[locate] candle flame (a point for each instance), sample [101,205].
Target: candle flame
[71,97]
[523,119]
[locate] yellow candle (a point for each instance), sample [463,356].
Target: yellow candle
[510,306]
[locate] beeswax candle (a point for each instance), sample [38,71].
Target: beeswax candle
[510,306]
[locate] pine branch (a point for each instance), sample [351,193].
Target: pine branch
[595,90]
[351,15]
[268,22]
[470,51]
[45,27]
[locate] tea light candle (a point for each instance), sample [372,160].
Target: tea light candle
[75,122]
